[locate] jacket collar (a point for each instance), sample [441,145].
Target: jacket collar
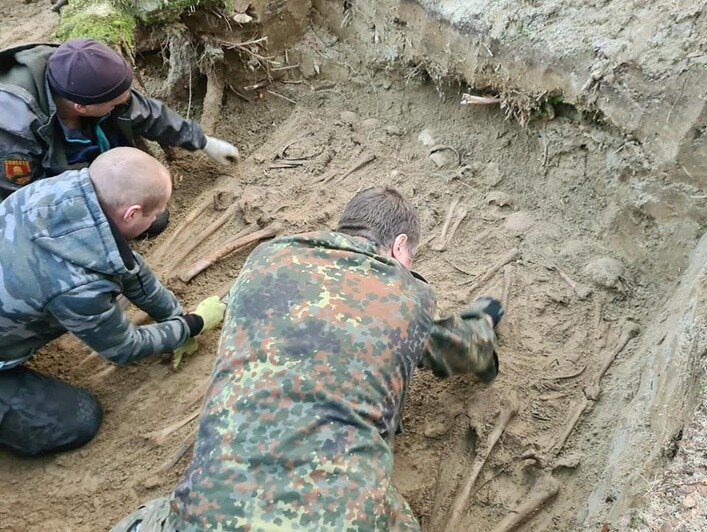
[126,253]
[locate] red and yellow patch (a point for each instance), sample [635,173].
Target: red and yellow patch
[17,171]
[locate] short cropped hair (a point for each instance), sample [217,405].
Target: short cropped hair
[380,214]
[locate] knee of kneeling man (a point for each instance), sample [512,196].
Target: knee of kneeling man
[88,417]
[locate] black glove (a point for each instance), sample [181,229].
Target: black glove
[490,306]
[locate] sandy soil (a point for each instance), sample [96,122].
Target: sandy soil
[548,190]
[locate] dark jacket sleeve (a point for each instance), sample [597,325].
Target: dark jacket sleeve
[144,290]
[153,120]
[462,345]
[92,314]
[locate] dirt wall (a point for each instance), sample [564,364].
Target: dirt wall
[640,65]
[650,428]
[561,191]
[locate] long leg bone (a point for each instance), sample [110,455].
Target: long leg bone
[357,165]
[159,437]
[507,280]
[206,233]
[237,243]
[447,221]
[628,331]
[457,213]
[188,220]
[591,392]
[582,291]
[561,439]
[461,500]
[512,255]
[448,473]
[542,491]
[461,214]
[177,455]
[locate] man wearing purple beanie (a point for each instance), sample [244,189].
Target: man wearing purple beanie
[62,106]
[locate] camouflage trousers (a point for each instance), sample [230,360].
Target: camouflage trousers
[150,517]
[154,516]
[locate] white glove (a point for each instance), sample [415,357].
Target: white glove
[221,151]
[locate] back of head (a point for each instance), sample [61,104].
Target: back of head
[380,214]
[87,72]
[128,176]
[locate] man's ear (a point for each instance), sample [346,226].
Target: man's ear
[131,212]
[79,108]
[398,245]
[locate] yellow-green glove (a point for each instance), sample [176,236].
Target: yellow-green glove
[188,348]
[211,311]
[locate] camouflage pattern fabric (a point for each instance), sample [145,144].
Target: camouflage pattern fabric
[61,269]
[319,343]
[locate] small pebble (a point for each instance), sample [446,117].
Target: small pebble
[499,198]
[370,123]
[393,131]
[348,117]
[519,221]
[426,138]
[605,271]
[689,502]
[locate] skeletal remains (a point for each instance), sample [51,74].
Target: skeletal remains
[590,394]
[456,212]
[547,487]
[462,498]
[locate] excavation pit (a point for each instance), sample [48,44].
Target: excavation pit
[582,228]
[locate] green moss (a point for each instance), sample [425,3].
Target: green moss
[556,99]
[102,20]
[114,21]
[159,12]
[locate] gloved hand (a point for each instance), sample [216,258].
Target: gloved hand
[211,310]
[489,306]
[188,348]
[221,151]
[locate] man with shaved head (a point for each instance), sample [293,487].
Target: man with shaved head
[64,259]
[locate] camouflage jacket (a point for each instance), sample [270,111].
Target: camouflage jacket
[62,267]
[319,343]
[31,139]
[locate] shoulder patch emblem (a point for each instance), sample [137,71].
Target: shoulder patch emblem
[17,171]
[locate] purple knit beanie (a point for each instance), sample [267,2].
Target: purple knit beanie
[88,72]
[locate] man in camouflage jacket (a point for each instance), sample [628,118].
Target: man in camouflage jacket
[322,334]
[64,258]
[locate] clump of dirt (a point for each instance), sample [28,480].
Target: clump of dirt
[528,210]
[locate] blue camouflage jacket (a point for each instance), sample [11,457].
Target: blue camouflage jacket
[62,267]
